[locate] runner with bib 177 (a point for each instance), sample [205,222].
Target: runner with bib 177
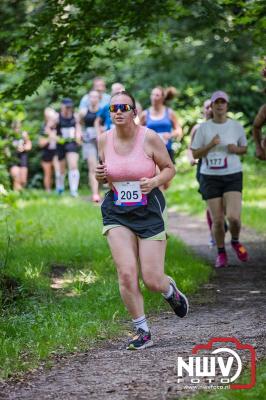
[219,142]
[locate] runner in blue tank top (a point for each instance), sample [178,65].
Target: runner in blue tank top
[162,119]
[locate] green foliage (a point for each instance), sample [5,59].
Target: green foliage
[254,195]
[68,37]
[62,33]
[13,14]
[9,112]
[197,47]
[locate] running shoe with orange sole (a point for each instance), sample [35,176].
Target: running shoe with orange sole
[240,251]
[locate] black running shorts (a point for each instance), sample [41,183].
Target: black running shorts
[48,155]
[212,186]
[22,160]
[147,222]
[70,147]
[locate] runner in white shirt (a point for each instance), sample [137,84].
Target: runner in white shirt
[219,142]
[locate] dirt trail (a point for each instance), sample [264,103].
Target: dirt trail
[232,304]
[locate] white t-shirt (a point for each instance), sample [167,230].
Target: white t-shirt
[219,161]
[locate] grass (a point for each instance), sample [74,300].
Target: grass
[183,194]
[254,204]
[258,392]
[37,320]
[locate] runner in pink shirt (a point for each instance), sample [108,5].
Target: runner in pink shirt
[134,212]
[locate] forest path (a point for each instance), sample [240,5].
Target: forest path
[232,304]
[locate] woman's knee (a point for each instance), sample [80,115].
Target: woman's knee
[127,280]
[233,220]
[73,166]
[14,172]
[153,281]
[23,182]
[218,222]
[72,160]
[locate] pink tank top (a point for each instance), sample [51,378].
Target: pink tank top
[129,167]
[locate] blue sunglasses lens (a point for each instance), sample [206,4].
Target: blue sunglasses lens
[122,107]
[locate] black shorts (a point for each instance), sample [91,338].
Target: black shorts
[70,147]
[22,160]
[212,186]
[147,222]
[48,155]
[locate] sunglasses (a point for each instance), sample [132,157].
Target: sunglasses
[113,108]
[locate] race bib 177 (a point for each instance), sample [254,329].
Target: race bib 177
[216,160]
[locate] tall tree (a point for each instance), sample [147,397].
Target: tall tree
[61,38]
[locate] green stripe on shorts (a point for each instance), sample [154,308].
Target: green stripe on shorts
[159,236]
[107,228]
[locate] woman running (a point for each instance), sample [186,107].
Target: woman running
[48,144]
[134,212]
[219,142]
[69,132]
[162,119]
[89,139]
[22,145]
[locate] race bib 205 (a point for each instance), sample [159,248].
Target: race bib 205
[128,194]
